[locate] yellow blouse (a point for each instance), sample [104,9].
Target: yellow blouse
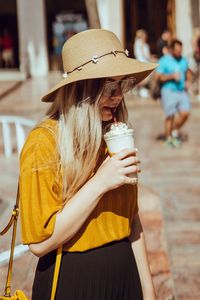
[41,197]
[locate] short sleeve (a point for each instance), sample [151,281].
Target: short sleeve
[40,187]
[162,66]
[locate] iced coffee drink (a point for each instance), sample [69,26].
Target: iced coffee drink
[119,136]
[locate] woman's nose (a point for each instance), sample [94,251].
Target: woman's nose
[117,92]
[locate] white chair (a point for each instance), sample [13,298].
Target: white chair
[20,125]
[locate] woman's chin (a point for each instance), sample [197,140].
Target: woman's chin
[106,118]
[106,115]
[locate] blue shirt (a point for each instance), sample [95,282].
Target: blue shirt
[169,65]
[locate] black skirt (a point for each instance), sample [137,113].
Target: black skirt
[105,273]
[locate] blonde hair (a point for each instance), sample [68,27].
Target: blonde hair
[76,107]
[141,34]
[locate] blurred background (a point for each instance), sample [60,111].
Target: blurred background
[39,28]
[32,33]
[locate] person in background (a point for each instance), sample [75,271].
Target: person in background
[141,47]
[196,55]
[58,41]
[162,49]
[7,52]
[163,43]
[174,75]
[142,53]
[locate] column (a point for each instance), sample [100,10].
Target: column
[111,16]
[184,26]
[32,37]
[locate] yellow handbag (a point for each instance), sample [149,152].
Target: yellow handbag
[19,295]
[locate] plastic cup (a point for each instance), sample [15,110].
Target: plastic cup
[119,142]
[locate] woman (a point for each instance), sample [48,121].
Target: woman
[141,47]
[142,53]
[72,194]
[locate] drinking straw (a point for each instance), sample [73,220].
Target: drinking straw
[114,115]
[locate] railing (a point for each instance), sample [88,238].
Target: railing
[19,124]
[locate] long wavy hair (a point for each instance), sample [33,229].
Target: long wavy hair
[79,139]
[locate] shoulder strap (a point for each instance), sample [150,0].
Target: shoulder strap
[56,272]
[13,220]
[14,215]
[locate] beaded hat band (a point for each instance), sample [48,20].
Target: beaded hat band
[97,53]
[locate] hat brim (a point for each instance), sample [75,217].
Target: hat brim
[104,69]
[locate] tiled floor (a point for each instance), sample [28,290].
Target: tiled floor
[7,86]
[169,193]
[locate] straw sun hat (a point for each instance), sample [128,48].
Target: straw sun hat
[97,53]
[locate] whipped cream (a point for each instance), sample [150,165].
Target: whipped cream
[118,128]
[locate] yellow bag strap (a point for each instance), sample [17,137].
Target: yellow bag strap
[13,221]
[56,272]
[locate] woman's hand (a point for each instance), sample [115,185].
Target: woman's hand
[114,170]
[150,296]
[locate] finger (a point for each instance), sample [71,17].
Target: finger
[131,170]
[105,160]
[125,152]
[131,160]
[131,180]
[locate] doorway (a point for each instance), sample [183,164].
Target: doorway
[151,15]
[63,19]
[9,44]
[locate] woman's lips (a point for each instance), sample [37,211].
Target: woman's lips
[112,109]
[107,110]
